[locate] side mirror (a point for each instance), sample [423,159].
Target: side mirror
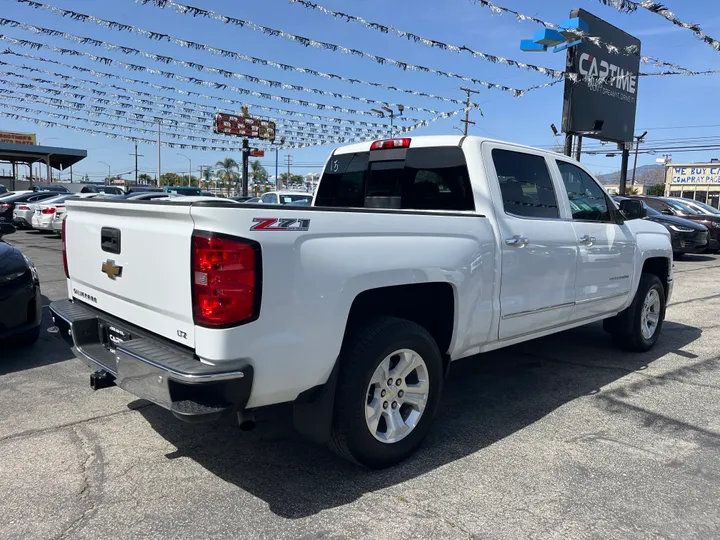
[6,228]
[633,209]
[667,211]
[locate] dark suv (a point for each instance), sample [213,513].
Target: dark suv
[674,207]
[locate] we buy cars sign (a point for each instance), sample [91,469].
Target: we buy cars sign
[244,126]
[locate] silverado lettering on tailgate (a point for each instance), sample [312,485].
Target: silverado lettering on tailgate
[280,224]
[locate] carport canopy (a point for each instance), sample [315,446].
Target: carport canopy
[56,157]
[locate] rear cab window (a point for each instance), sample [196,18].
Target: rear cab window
[425,178]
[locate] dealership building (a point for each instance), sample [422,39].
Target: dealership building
[699,181]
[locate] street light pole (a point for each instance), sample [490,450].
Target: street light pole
[190,160]
[107,180]
[639,139]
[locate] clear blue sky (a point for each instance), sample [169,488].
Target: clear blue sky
[670,103]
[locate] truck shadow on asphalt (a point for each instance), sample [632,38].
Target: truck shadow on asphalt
[486,399]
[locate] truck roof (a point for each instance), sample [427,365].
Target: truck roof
[425,141]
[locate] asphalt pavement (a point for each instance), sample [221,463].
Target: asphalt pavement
[560,438]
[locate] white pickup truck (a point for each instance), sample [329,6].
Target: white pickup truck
[415,253]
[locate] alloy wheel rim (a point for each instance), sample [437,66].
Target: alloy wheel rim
[397,396]
[650,317]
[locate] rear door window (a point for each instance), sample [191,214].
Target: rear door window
[434,178]
[526,185]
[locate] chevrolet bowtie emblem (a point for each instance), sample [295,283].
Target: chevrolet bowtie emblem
[112,271]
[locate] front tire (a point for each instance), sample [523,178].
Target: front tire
[389,387]
[638,328]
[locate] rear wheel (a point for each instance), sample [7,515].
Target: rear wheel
[638,327]
[389,387]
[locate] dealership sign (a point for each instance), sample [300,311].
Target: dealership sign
[695,175]
[244,126]
[600,102]
[17,138]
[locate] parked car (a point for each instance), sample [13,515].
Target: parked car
[20,298]
[207,194]
[355,316]
[183,190]
[284,197]
[42,219]
[686,236]
[8,204]
[58,218]
[57,188]
[674,207]
[3,190]
[251,200]
[301,202]
[23,212]
[699,206]
[242,199]
[147,196]
[109,190]
[144,189]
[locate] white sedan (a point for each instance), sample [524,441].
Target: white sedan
[42,219]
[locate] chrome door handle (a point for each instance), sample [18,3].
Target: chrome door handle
[517,241]
[587,240]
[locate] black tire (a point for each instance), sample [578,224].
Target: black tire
[626,327]
[363,351]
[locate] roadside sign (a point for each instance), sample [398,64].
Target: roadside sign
[255,152]
[240,126]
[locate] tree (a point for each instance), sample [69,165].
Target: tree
[258,172]
[227,172]
[145,178]
[207,176]
[658,190]
[170,179]
[632,190]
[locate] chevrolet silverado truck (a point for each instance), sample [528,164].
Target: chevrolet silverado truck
[415,253]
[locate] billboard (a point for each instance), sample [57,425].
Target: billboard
[17,138]
[602,103]
[694,174]
[244,126]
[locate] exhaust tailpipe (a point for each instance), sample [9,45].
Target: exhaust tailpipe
[101,379]
[246,420]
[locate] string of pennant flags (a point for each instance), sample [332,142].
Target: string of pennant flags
[193,80]
[307,42]
[192,120]
[612,49]
[104,75]
[287,67]
[149,120]
[113,25]
[657,8]
[120,127]
[225,73]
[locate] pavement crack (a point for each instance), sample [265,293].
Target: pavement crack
[33,432]
[92,471]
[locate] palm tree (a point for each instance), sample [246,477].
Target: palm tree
[228,171]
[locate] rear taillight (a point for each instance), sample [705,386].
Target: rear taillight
[226,279]
[22,208]
[63,234]
[5,205]
[390,143]
[47,211]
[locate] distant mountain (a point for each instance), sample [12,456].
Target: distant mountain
[646,175]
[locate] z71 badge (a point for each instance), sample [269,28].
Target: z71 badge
[280,224]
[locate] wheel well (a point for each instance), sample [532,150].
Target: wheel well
[660,267]
[431,305]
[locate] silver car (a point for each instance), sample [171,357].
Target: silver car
[23,212]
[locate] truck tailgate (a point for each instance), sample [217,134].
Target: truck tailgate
[132,261]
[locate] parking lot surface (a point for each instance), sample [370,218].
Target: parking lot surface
[564,437]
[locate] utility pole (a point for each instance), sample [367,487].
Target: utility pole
[467,120]
[158,145]
[136,162]
[288,160]
[638,140]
